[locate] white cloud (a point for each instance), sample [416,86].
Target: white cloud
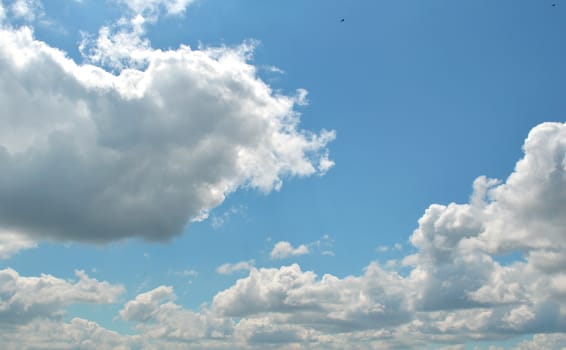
[23,299]
[143,152]
[123,44]
[154,7]
[159,318]
[227,269]
[325,164]
[145,305]
[76,334]
[533,198]
[11,243]
[284,249]
[273,69]
[119,46]
[28,10]
[292,296]
[456,265]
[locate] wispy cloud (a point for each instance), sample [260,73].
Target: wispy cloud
[218,221]
[228,268]
[186,273]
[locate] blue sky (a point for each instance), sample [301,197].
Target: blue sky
[183,174]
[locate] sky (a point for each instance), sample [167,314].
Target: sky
[212,174]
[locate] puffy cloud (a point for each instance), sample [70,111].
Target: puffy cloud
[528,211]
[159,318]
[76,334]
[11,243]
[297,297]
[23,299]
[227,269]
[458,244]
[284,249]
[264,290]
[462,287]
[144,305]
[91,156]
[295,310]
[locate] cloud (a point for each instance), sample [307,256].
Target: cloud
[92,156]
[456,267]
[154,7]
[191,273]
[23,299]
[11,243]
[227,269]
[27,10]
[145,305]
[284,249]
[78,333]
[218,221]
[159,318]
[329,304]
[185,273]
[544,341]
[533,198]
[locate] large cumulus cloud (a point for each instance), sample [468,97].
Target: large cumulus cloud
[92,156]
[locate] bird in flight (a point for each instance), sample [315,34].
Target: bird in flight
[342,20]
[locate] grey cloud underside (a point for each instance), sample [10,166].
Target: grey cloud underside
[90,156]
